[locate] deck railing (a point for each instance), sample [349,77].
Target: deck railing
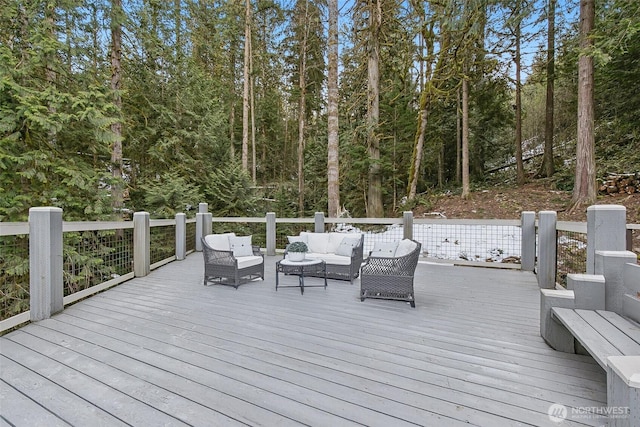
[79,259]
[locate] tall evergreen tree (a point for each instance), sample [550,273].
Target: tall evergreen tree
[333,173]
[584,190]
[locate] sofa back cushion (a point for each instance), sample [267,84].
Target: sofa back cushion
[318,242]
[219,242]
[301,238]
[405,247]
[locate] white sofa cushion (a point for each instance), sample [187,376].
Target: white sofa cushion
[318,242]
[248,261]
[241,246]
[405,247]
[331,258]
[219,242]
[301,238]
[384,249]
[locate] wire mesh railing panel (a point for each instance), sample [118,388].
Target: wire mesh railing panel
[470,242]
[571,254]
[14,275]
[94,257]
[191,236]
[163,243]
[634,241]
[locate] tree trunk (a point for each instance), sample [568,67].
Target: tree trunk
[584,190]
[50,74]
[302,86]
[253,121]
[458,140]
[116,128]
[466,191]
[549,128]
[333,173]
[418,148]
[245,96]
[518,136]
[374,197]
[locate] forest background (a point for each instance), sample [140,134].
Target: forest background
[110,107]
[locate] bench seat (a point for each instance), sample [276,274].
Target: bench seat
[601,333]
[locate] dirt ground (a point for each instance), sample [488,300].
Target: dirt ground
[508,203]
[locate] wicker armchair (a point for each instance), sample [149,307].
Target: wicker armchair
[390,278]
[222,267]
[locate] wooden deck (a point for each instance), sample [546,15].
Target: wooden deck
[166,350]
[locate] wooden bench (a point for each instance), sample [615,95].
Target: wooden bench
[601,333]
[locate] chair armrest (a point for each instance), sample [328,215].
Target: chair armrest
[381,266]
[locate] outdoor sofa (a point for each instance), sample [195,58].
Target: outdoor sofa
[342,252]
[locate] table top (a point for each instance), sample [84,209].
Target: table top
[306,261]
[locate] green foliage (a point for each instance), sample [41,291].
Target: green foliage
[297,247]
[229,192]
[169,195]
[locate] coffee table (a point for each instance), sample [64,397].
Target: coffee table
[300,268]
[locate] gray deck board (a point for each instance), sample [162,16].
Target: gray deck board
[166,350]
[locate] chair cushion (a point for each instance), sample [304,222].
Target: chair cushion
[318,242]
[219,242]
[347,245]
[241,246]
[384,249]
[405,247]
[248,261]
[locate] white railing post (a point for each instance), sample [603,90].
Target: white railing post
[407,224]
[606,231]
[141,244]
[547,250]
[319,222]
[45,262]
[181,236]
[207,224]
[271,233]
[528,241]
[200,224]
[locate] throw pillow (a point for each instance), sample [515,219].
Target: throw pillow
[347,245]
[384,249]
[241,246]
